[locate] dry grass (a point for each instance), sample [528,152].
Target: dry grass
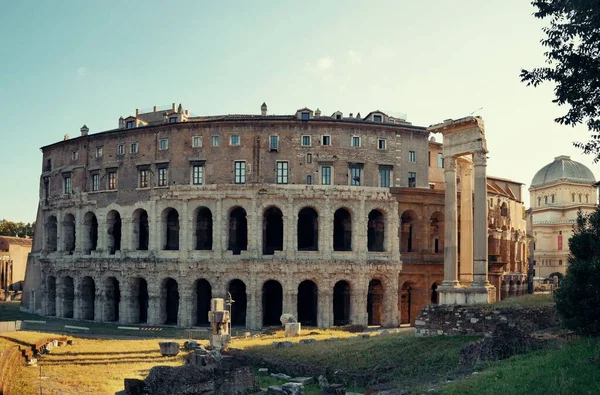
[318,334]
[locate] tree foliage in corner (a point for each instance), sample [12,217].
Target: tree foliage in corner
[578,297]
[573,63]
[16,229]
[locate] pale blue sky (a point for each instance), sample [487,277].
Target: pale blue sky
[66,63]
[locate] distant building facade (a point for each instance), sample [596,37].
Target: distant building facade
[13,261]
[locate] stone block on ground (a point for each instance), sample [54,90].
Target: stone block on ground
[292,329]
[334,389]
[287,319]
[307,341]
[135,387]
[185,379]
[191,345]
[263,371]
[281,376]
[169,349]
[323,382]
[284,344]
[302,380]
[275,390]
[293,388]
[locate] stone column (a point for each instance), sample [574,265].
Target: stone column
[184,315]
[358,302]
[466,223]
[253,308]
[325,308]
[391,317]
[154,304]
[480,248]
[76,298]
[219,230]
[99,301]
[185,237]
[125,311]
[450,228]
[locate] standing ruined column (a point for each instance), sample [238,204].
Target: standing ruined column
[466,223]
[480,248]
[450,228]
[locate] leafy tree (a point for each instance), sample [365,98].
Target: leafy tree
[578,298]
[573,63]
[18,229]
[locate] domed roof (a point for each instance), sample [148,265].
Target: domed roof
[563,169]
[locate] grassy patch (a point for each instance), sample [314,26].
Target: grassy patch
[566,369]
[540,300]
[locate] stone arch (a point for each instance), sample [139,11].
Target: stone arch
[238,230]
[51,234]
[437,232]
[51,298]
[272,303]
[170,233]
[272,230]
[88,298]
[375,303]
[307,302]
[341,303]
[170,301]
[376,231]
[408,231]
[139,300]
[203,229]
[201,302]
[68,296]
[237,290]
[90,235]
[68,233]
[141,230]
[308,229]
[112,293]
[435,296]
[113,228]
[342,230]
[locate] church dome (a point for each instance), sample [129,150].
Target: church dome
[563,169]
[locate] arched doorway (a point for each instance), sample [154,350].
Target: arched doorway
[170,301]
[376,231]
[308,301]
[375,303]
[407,221]
[51,234]
[436,232]
[308,230]
[204,229]
[140,229]
[90,225]
[51,306]
[405,303]
[113,227]
[88,298]
[342,230]
[272,303]
[272,231]
[238,230]
[171,230]
[69,233]
[435,296]
[113,298]
[203,292]
[139,297]
[341,303]
[237,289]
[68,297]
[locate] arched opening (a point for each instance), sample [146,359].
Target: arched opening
[272,303]
[69,233]
[272,231]
[171,231]
[342,230]
[51,234]
[437,232]
[113,298]
[113,228]
[204,229]
[238,230]
[435,296]
[68,297]
[341,303]
[237,289]
[140,229]
[308,230]
[170,301]
[376,231]
[308,299]
[406,303]
[90,226]
[375,303]
[88,298]
[203,292]
[51,306]
[139,298]
[504,209]
[407,220]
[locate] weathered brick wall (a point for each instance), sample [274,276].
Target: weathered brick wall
[436,320]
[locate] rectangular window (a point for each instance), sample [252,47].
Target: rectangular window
[67,185]
[144,178]
[377,118]
[282,172]
[440,160]
[305,116]
[431,186]
[163,144]
[239,172]
[309,180]
[98,152]
[162,177]
[308,158]
[133,148]
[385,176]
[355,141]
[234,139]
[112,180]
[173,120]
[130,124]
[74,155]
[121,149]
[355,175]
[412,156]
[306,141]
[196,141]
[274,143]
[381,144]
[197,174]
[412,179]
[95,182]
[215,141]
[326,140]
[326,175]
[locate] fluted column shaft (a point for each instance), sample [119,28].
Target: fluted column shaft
[450,228]
[480,248]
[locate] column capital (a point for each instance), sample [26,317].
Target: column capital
[480,158]
[449,164]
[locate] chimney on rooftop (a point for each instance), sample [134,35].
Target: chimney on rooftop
[84,130]
[318,113]
[137,112]
[263,109]
[154,109]
[173,107]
